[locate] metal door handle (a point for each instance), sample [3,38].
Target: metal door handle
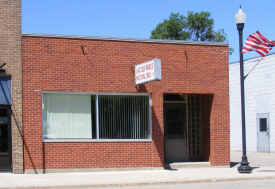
[267,133]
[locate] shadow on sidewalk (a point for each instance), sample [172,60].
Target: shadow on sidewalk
[233,164]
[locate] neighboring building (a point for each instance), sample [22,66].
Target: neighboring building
[259,105]
[11,152]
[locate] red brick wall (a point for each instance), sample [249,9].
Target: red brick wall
[10,53]
[98,155]
[58,64]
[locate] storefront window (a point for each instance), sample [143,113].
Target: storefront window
[96,116]
[67,116]
[123,117]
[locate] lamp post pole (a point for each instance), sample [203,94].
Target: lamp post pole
[240,20]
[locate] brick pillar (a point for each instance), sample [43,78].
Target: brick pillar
[157,130]
[220,130]
[206,107]
[10,53]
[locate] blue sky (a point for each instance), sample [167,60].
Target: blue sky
[137,18]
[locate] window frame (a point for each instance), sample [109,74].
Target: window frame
[97,118]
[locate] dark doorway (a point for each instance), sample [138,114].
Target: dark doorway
[175,132]
[5,138]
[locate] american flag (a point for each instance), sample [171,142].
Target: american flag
[257,42]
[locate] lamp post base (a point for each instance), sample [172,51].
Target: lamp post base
[244,167]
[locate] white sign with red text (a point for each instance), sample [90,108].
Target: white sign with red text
[148,71]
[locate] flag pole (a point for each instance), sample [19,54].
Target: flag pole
[253,67]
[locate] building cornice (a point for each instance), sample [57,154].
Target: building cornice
[181,42]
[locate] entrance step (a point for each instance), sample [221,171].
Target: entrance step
[178,165]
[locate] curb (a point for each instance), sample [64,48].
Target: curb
[137,184]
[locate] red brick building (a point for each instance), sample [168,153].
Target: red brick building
[83,111]
[11,131]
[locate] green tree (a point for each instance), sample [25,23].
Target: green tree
[195,27]
[171,29]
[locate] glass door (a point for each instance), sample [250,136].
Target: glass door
[5,139]
[175,138]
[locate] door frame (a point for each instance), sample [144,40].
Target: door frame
[8,108]
[165,106]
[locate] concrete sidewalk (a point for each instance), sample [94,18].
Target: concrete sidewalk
[136,178]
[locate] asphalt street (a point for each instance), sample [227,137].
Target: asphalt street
[243,184]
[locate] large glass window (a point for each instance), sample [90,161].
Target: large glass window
[67,116]
[123,117]
[98,116]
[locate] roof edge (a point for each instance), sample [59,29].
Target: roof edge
[127,39]
[247,59]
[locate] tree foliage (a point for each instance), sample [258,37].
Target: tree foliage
[195,27]
[170,29]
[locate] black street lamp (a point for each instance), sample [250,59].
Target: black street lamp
[240,20]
